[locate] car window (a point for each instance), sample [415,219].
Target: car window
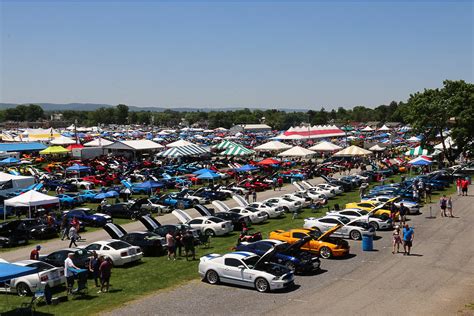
[93,247]
[117,245]
[262,246]
[196,221]
[327,220]
[299,235]
[232,262]
[40,266]
[216,220]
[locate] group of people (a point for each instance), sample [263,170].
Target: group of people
[446,206]
[277,182]
[461,186]
[176,242]
[403,236]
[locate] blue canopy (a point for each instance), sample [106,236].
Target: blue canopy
[421,162]
[149,185]
[246,168]
[77,167]
[208,176]
[10,271]
[9,160]
[204,170]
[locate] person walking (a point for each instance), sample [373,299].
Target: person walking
[458,186]
[280,183]
[170,243]
[247,197]
[428,194]
[64,228]
[464,185]
[68,273]
[34,255]
[403,214]
[105,274]
[94,265]
[254,196]
[443,203]
[396,239]
[408,236]
[449,207]
[73,236]
[274,183]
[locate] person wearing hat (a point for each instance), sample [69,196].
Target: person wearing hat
[34,255]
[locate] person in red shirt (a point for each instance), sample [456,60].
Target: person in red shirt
[280,182]
[464,185]
[34,255]
[458,185]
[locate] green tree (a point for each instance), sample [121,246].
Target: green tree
[121,114]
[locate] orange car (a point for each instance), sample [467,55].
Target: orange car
[321,244]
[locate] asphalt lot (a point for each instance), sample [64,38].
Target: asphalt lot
[437,279]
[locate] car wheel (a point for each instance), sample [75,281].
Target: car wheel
[290,265]
[212,277]
[23,289]
[286,209]
[356,235]
[261,285]
[195,202]
[133,216]
[374,225]
[267,215]
[209,232]
[325,252]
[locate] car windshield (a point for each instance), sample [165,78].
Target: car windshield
[216,220]
[40,266]
[251,209]
[287,199]
[344,220]
[119,245]
[251,261]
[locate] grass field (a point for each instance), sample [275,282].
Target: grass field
[157,273]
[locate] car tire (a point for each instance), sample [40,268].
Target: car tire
[286,209]
[267,215]
[133,216]
[325,252]
[355,235]
[212,277]
[374,225]
[22,289]
[262,285]
[209,232]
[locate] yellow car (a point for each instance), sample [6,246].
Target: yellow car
[321,244]
[370,205]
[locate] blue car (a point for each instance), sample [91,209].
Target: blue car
[171,201]
[69,199]
[88,195]
[86,216]
[289,255]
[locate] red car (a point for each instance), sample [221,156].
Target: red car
[94,180]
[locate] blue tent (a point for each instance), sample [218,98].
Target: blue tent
[78,168]
[10,271]
[9,160]
[149,185]
[208,176]
[421,162]
[246,168]
[204,170]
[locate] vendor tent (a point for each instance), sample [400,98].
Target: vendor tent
[448,143]
[179,143]
[237,151]
[384,128]
[31,198]
[98,142]
[78,168]
[377,147]
[208,176]
[325,146]
[367,129]
[10,183]
[418,151]
[63,140]
[297,151]
[9,161]
[420,161]
[54,150]
[268,162]
[353,151]
[184,151]
[226,144]
[272,146]
[246,168]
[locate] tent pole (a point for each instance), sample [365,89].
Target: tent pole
[29,210]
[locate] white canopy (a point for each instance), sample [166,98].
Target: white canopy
[98,142]
[325,146]
[273,146]
[62,140]
[179,143]
[377,147]
[367,129]
[448,143]
[413,139]
[297,151]
[384,128]
[29,199]
[353,151]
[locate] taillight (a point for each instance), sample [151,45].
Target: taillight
[44,278]
[123,254]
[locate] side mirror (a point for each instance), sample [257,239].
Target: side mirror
[241,267]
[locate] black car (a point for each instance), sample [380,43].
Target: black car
[39,230]
[151,244]
[124,210]
[210,194]
[81,257]
[347,186]
[152,225]
[13,233]
[86,216]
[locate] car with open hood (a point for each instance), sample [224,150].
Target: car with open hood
[42,274]
[256,216]
[287,204]
[239,221]
[289,255]
[81,257]
[353,229]
[151,244]
[119,251]
[246,269]
[413,207]
[378,223]
[208,225]
[369,206]
[322,244]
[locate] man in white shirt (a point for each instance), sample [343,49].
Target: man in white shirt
[68,273]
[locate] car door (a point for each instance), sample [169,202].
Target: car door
[197,223]
[233,271]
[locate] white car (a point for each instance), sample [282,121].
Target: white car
[196,199]
[152,206]
[299,196]
[246,269]
[354,213]
[208,225]
[80,184]
[120,252]
[288,205]
[256,216]
[413,207]
[326,186]
[233,189]
[308,187]
[270,210]
[350,229]
[43,274]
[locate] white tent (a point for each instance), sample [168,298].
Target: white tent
[63,140]
[29,199]
[98,142]
[325,146]
[448,143]
[297,151]
[17,182]
[413,139]
[179,143]
[384,128]
[353,151]
[273,146]
[377,147]
[367,129]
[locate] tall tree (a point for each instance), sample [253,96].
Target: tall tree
[121,114]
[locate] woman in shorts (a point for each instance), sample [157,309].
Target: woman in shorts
[396,239]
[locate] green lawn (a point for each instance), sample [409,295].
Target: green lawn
[129,283]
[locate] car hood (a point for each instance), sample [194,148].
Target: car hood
[149,222]
[329,232]
[297,245]
[266,257]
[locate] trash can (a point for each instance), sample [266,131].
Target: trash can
[367,242]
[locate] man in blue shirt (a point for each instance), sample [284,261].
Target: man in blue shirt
[408,235]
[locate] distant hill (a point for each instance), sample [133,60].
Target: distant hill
[95,106]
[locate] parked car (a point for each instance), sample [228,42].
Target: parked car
[119,251]
[39,230]
[42,274]
[89,218]
[124,210]
[246,269]
[152,225]
[209,225]
[373,220]
[349,229]
[80,259]
[13,233]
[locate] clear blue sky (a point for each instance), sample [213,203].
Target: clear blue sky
[220,54]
